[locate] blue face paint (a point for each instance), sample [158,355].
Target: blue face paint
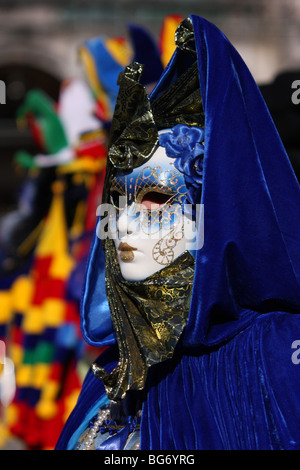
[152,195]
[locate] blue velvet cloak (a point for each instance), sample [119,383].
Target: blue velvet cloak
[234,380]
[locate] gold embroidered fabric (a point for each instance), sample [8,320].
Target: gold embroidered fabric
[133,134]
[136,121]
[184,36]
[148,318]
[181,103]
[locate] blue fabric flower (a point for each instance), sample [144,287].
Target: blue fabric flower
[184,143]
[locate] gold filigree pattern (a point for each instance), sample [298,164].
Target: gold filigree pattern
[163,250]
[149,179]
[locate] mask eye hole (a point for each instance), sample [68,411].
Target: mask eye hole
[154,200]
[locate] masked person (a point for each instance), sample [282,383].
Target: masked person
[202,337]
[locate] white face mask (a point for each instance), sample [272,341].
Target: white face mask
[147,242]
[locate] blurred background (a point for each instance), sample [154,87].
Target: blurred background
[39,40]
[47,205]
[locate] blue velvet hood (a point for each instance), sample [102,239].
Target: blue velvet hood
[250,261]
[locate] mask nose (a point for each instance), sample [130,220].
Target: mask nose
[128,221]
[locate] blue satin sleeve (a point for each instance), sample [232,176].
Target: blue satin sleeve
[95,319]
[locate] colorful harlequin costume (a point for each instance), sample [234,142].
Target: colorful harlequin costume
[39,314]
[41,317]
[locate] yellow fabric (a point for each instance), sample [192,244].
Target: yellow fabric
[36,376]
[11,415]
[54,239]
[90,67]
[120,51]
[87,163]
[24,375]
[99,134]
[46,409]
[40,374]
[61,267]
[21,293]
[5,307]
[4,435]
[51,391]
[53,311]
[33,322]
[168,37]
